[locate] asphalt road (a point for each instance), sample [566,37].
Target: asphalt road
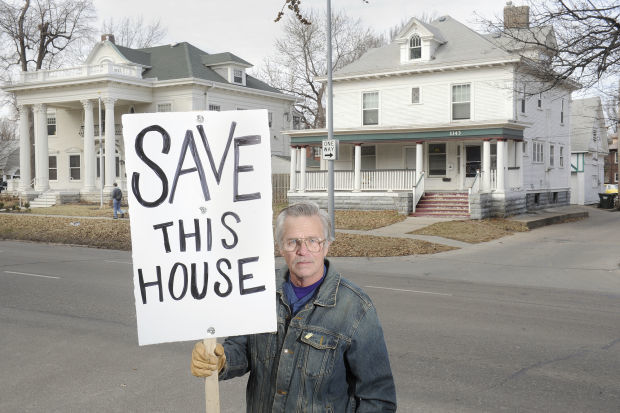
[529,323]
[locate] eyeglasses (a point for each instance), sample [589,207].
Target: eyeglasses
[312,244]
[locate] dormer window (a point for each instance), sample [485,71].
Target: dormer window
[238,76]
[415,47]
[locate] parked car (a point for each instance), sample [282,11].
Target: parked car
[611,188]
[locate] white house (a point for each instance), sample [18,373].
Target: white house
[588,150]
[446,109]
[76,111]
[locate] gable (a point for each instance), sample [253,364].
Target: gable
[106,51]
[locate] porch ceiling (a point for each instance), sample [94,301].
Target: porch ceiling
[514,133]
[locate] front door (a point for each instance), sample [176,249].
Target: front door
[472,163]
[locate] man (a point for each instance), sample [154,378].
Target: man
[117,196]
[329,354]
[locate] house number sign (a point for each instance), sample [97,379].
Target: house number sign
[456,133]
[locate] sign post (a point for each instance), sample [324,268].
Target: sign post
[201,227]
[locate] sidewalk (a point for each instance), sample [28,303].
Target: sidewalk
[535,219]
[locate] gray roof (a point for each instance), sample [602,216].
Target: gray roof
[183,60]
[462,46]
[585,113]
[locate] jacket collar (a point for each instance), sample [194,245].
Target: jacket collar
[326,296]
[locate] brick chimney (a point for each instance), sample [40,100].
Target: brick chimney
[107,36]
[516,17]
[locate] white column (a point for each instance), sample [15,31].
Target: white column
[293,169]
[501,165]
[110,144]
[302,170]
[357,176]
[89,147]
[419,160]
[486,165]
[41,152]
[519,149]
[24,148]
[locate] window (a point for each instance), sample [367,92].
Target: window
[164,107]
[537,152]
[551,155]
[415,95]
[370,108]
[616,157]
[53,168]
[525,152]
[117,165]
[493,148]
[296,122]
[238,76]
[461,101]
[215,108]
[437,159]
[615,176]
[51,124]
[317,151]
[369,157]
[539,103]
[561,157]
[270,117]
[74,167]
[562,112]
[523,100]
[415,47]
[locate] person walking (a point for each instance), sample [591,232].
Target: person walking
[117,196]
[328,353]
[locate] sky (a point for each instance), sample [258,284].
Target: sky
[246,27]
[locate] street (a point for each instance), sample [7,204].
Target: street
[527,323]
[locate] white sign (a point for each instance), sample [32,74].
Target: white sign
[199,190]
[330,149]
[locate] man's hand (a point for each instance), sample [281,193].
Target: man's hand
[203,364]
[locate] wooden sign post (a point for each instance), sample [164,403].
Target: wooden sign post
[199,191]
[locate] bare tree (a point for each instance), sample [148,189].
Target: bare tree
[134,33]
[295,7]
[586,46]
[8,142]
[301,58]
[37,34]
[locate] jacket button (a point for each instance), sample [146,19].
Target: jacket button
[287,351]
[281,392]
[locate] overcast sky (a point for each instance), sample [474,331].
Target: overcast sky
[246,27]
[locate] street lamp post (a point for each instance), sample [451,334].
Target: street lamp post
[330,122]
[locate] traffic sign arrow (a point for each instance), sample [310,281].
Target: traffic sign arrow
[328,155]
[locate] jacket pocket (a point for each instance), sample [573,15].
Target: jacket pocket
[320,352]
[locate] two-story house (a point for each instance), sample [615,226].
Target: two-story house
[446,109]
[589,148]
[76,111]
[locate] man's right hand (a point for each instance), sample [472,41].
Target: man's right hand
[203,364]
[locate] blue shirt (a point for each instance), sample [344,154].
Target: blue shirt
[297,297]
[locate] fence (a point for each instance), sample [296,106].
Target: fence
[280,184]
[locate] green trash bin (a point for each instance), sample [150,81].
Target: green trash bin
[606,201]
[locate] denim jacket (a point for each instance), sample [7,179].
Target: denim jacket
[330,357]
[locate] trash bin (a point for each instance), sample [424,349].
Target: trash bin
[606,201]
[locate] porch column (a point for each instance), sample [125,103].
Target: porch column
[501,165]
[293,169]
[357,165]
[519,157]
[24,148]
[419,160]
[89,147]
[41,152]
[302,169]
[110,144]
[486,165]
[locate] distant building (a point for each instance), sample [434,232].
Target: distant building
[446,109]
[65,106]
[588,150]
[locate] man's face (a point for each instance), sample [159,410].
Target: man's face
[305,267]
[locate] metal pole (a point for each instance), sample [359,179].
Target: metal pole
[101,172]
[330,122]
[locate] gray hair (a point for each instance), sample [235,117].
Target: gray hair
[303,209]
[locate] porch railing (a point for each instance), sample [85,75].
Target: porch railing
[118,130]
[81,71]
[418,191]
[371,180]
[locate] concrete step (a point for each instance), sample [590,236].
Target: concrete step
[46,199]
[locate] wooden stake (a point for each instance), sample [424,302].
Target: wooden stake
[212,387]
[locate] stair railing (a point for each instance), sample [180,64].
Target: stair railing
[418,191]
[473,189]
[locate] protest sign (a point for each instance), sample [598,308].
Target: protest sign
[199,191]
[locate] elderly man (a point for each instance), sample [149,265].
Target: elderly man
[329,354]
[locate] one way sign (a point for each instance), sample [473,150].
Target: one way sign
[330,149]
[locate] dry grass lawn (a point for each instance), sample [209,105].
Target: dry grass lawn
[473,231]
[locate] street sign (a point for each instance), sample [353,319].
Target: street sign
[330,149]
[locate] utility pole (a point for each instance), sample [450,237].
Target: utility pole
[330,122]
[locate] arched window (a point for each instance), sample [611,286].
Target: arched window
[415,47]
